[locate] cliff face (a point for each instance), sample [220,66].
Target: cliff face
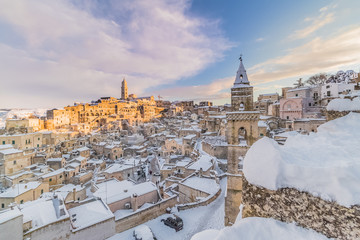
[308,211]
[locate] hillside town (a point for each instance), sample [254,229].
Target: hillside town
[121,166]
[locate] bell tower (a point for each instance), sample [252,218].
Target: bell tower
[241,92]
[124,90]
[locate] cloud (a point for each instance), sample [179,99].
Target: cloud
[317,55]
[316,23]
[77,51]
[215,90]
[259,39]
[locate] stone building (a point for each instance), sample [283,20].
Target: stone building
[301,103]
[22,192]
[23,141]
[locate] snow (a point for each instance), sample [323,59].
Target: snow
[43,211]
[20,113]
[195,220]
[206,185]
[254,228]
[10,151]
[341,105]
[139,189]
[143,232]
[325,164]
[9,214]
[204,163]
[110,188]
[5,146]
[19,189]
[54,173]
[262,124]
[89,214]
[117,168]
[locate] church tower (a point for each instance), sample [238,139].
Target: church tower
[124,90]
[241,132]
[241,92]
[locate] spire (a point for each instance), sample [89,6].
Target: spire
[241,76]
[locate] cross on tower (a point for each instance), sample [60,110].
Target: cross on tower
[240,58]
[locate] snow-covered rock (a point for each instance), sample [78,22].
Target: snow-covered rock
[325,164]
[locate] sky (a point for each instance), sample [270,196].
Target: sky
[55,53]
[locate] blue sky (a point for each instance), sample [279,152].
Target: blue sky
[53,53]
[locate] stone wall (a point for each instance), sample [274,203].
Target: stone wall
[144,215]
[291,205]
[217,151]
[331,115]
[205,202]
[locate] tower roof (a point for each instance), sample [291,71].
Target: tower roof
[241,76]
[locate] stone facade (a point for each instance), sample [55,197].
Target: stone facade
[292,205]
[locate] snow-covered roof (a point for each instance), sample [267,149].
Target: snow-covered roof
[124,192]
[5,146]
[19,189]
[89,214]
[44,211]
[54,173]
[82,149]
[9,214]
[116,167]
[262,123]
[54,160]
[203,163]
[112,187]
[325,164]
[206,185]
[10,151]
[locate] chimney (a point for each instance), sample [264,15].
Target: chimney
[74,194]
[134,202]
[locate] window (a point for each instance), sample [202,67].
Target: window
[328,93]
[289,126]
[328,86]
[60,176]
[3,142]
[37,145]
[287,117]
[296,95]
[50,180]
[13,141]
[42,191]
[39,139]
[14,162]
[128,174]
[22,201]
[261,135]
[2,205]
[309,104]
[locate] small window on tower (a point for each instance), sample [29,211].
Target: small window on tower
[241,76]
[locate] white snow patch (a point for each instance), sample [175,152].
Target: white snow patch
[341,105]
[260,228]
